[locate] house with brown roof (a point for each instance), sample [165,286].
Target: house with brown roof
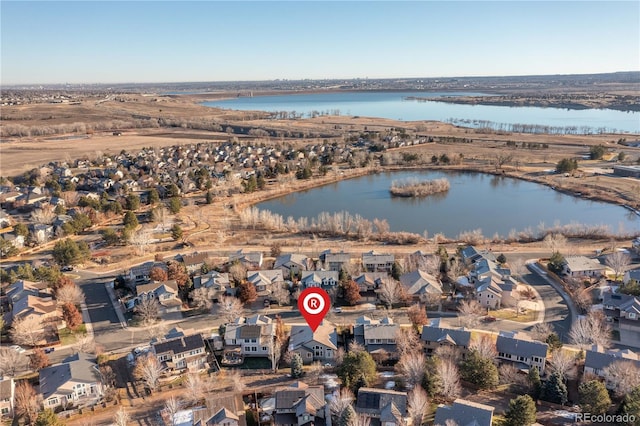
[165,292]
[7,397]
[194,261]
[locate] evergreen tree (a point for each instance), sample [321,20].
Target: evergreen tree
[209,197]
[556,262]
[501,258]
[153,197]
[348,417]
[296,366]
[130,220]
[480,371]
[175,205]
[534,382]
[554,390]
[132,202]
[261,181]
[356,365]
[631,405]
[521,412]
[594,397]
[176,232]
[48,418]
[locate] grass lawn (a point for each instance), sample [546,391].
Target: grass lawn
[509,314]
[68,337]
[256,363]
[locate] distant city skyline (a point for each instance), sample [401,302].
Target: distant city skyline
[55,42]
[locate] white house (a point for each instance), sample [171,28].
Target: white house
[319,279]
[254,335]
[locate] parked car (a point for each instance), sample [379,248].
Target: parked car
[337,310]
[49,350]
[267,303]
[18,349]
[67,268]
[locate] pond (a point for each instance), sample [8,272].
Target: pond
[495,204]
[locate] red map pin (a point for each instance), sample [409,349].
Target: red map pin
[314,304]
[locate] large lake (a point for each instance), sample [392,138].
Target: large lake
[394,105]
[475,200]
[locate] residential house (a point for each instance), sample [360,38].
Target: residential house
[223,417]
[301,405]
[44,308]
[519,348]
[7,397]
[436,334]
[194,261]
[250,260]
[377,262]
[581,266]
[165,292]
[17,241]
[377,336]
[625,310]
[335,261]
[178,351]
[632,274]
[75,382]
[319,279]
[471,255]
[140,273]
[597,359]
[254,335]
[320,345]
[464,413]
[265,280]
[293,264]
[22,288]
[369,283]
[488,292]
[382,407]
[422,286]
[217,282]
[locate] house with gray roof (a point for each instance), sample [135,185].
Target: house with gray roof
[471,255]
[369,283]
[377,336]
[382,407]
[598,358]
[335,261]
[223,417]
[293,264]
[7,397]
[301,405]
[265,280]
[254,336]
[326,279]
[464,413]
[377,262]
[320,345]
[632,274]
[231,403]
[621,307]
[165,292]
[140,273]
[436,334]
[216,282]
[581,266]
[421,285]
[519,348]
[250,260]
[177,351]
[76,381]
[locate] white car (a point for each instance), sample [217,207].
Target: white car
[337,310]
[18,349]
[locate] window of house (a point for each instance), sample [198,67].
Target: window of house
[308,355]
[53,401]
[5,410]
[264,349]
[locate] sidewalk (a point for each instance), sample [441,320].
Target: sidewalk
[116,305]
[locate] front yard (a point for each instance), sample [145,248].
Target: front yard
[510,314]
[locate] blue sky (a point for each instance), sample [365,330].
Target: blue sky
[162,41]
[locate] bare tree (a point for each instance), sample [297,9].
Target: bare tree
[147,310]
[563,363]
[355,347]
[229,308]
[555,242]
[509,374]
[484,345]
[27,401]
[44,216]
[141,240]
[470,312]
[236,381]
[389,292]
[407,341]
[194,388]
[10,361]
[418,405]
[85,344]
[238,272]
[541,331]
[412,367]
[623,376]
[280,293]
[201,298]
[148,371]
[590,330]
[70,294]
[618,261]
[121,418]
[450,352]
[450,378]
[518,268]
[171,406]
[339,404]
[275,350]
[27,330]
